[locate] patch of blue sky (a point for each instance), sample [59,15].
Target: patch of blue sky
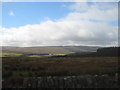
[113,23]
[0,14]
[16,14]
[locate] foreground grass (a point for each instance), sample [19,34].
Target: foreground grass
[59,66]
[100,71]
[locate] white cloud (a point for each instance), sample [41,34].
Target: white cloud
[98,11]
[74,29]
[11,13]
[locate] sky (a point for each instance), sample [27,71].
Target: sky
[27,24]
[22,13]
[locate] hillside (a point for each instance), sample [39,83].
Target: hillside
[48,49]
[40,50]
[81,48]
[101,52]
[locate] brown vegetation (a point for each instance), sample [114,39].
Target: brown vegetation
[72,65]
[16,70]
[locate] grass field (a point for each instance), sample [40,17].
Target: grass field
[10,54]
[25,55]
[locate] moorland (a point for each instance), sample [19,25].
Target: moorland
[100,64]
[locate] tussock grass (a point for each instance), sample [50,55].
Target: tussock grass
[59,65]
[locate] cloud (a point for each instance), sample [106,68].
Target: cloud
[11,13]
[95,11]
[74,29]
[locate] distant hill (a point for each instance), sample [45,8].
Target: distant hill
[40,50]
[81,48]
[101,52]
[49,49]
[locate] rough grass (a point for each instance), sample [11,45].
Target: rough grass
[90,65]
[100,71]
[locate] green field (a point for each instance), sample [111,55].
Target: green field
[24,55]
[10,54]
[40,56]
